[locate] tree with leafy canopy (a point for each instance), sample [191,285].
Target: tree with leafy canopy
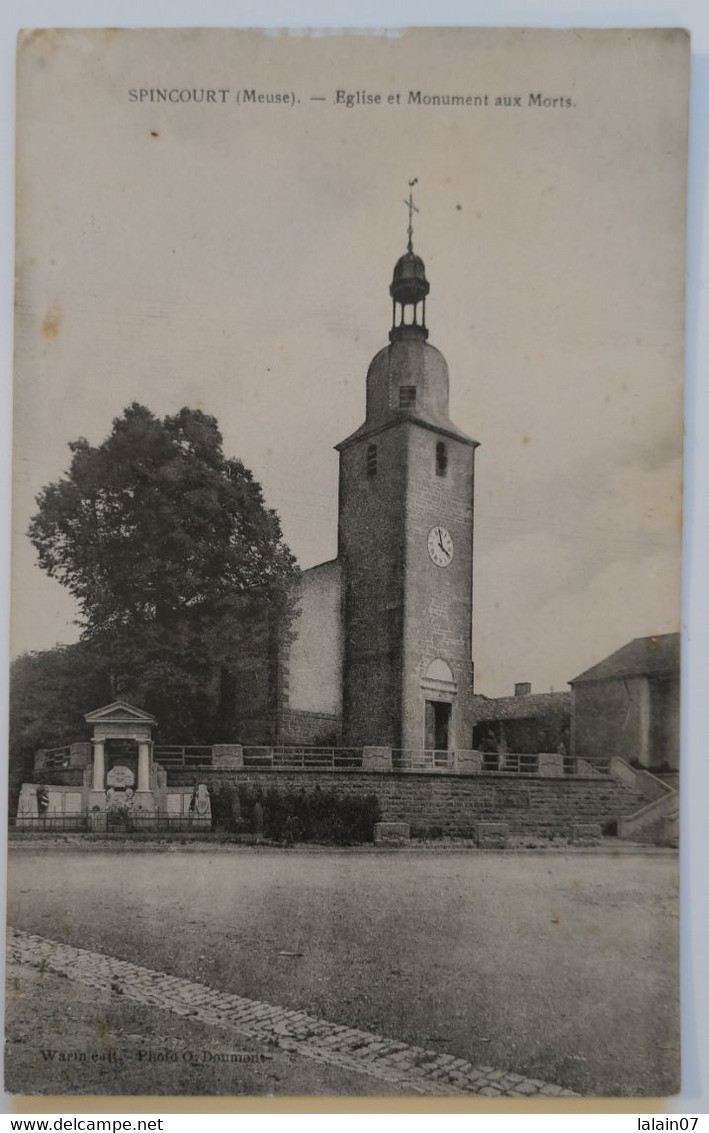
[180,571]
[49,693]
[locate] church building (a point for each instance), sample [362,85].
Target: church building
[382,653]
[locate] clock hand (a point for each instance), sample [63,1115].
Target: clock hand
[440,540]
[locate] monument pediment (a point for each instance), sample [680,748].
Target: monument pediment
[119,712]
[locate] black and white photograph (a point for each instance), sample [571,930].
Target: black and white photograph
[347,505]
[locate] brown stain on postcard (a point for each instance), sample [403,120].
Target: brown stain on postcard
[51,324]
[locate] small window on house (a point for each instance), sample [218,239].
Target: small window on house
[371,460]
[441,459]
[407,397]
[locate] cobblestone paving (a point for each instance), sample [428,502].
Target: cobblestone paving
[421,1071]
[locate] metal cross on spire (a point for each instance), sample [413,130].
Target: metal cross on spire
[412,209]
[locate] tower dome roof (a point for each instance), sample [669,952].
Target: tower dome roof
[409,283]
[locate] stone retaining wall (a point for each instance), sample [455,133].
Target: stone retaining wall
[452,805]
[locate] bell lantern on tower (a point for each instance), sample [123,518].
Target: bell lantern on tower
[409,288]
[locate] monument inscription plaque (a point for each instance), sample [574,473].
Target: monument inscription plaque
[120,776]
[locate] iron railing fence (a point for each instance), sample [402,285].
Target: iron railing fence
[175,756]
[423,759]
[89,824]
[521,764]
[61,823]
[303,758]
[528,764]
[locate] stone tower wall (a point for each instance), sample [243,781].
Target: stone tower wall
[371,548]
[438,600]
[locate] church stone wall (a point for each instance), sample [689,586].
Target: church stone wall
[438,612]
[314,683]
[255,693]
[371,537]
[320,729]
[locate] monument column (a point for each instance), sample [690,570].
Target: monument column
[143,765]
[99,762]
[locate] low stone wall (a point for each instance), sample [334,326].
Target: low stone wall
[63,800]
[454,805]
[74,756]
[62,776]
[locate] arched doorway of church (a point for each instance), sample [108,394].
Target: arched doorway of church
[439,691]
[438,725]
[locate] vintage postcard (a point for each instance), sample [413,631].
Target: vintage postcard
[344,740]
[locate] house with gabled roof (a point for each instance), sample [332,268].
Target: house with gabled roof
[527,722]
[628,704]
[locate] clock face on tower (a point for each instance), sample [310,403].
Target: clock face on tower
[440,546]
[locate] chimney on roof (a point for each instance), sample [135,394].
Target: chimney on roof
[523,688]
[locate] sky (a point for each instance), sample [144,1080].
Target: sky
[237,258]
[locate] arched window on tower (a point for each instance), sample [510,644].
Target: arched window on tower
[371,460]
[441,459]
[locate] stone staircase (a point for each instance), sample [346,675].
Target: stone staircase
[657,822]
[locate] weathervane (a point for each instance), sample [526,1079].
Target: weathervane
[412,209]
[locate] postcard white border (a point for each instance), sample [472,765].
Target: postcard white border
[690,14]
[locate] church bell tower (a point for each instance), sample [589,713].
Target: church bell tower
[405,542]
